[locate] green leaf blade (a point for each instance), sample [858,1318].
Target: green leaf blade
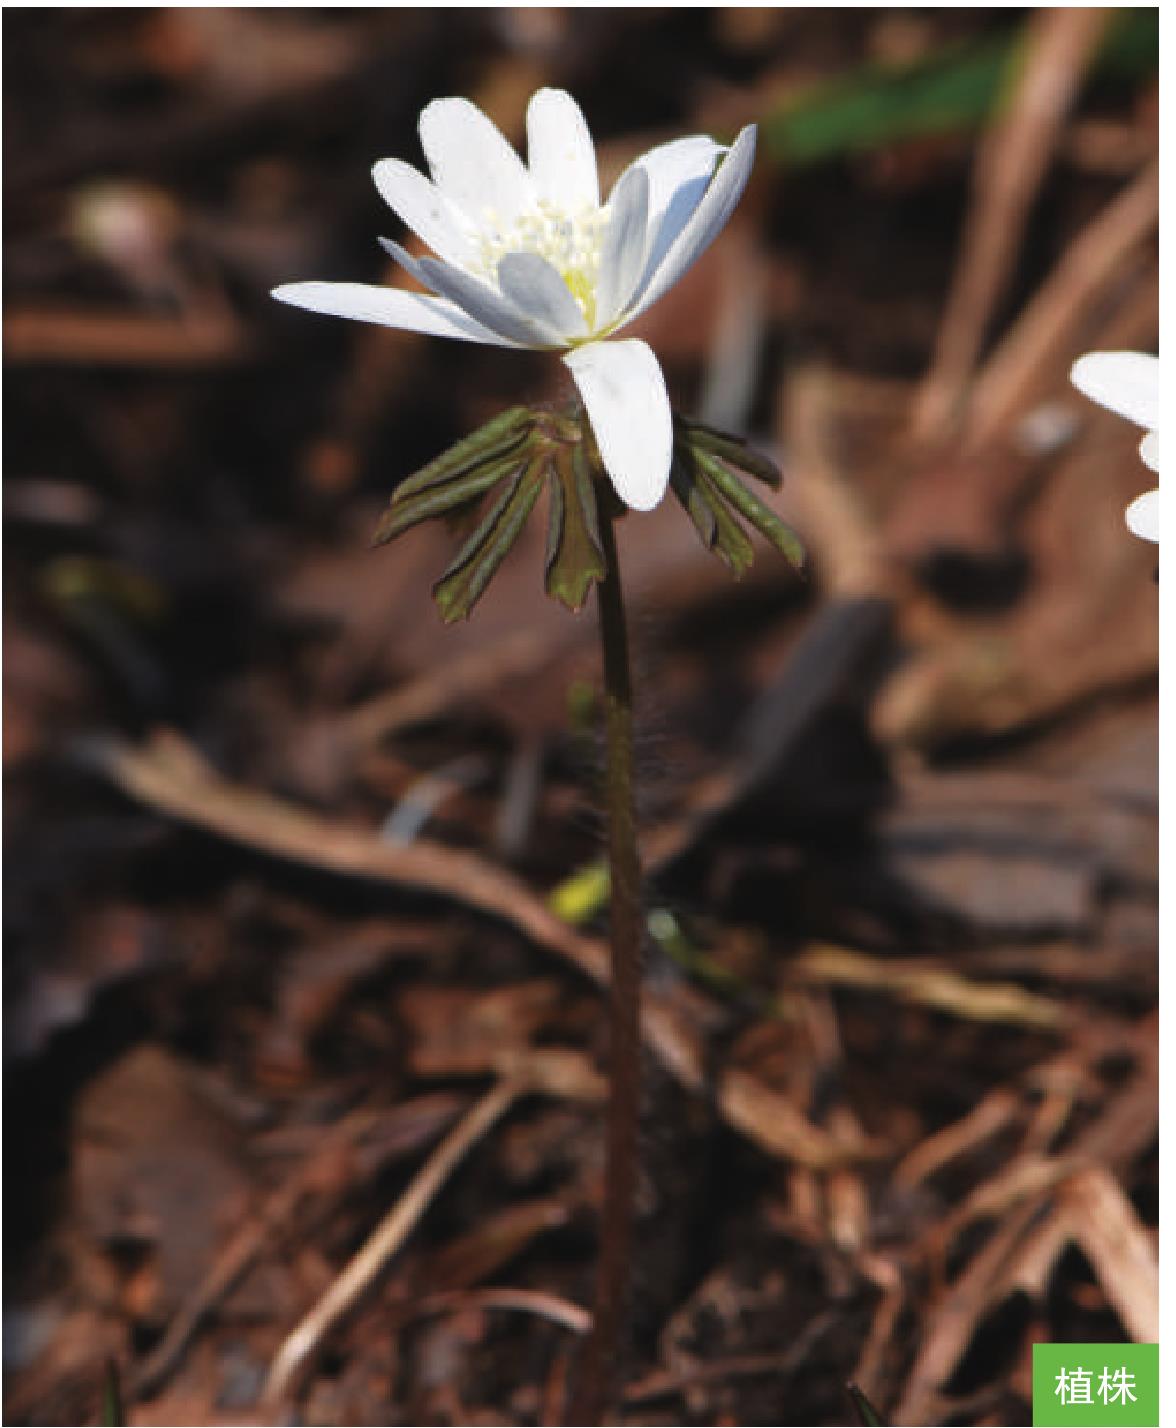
[464,581]
[575,560]
[753,510]
[693,499]
[735,451]
[442,500]
[496,439]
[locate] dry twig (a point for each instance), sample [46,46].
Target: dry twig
[388,1237]
[120,339]
[1122,1253]
[171,776]
[524,1301]
[931,986]
[1011,162]
[1051,327]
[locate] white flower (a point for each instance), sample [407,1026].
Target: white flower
[528,256]
[1129,383]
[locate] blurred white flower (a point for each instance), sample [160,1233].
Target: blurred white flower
[1129,383]
[529,257]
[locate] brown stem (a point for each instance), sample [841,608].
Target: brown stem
[601,1364]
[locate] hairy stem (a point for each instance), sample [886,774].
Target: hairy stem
[602,1360]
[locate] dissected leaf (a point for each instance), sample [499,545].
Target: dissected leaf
[735,450]
[443,498]
[458,475]
[574,557]
[693,500]
[704,482]
[520,449]
[717,527]
[730,542]
[762,517]
[495,439]
[466,578]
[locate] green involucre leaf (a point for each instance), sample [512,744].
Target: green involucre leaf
[693,499]
[490,442]
[734,450]
[703,481]
[731,542]
[441,499]
[762,517]
[574,557]
[463,582]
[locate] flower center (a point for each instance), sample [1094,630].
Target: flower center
[570,242]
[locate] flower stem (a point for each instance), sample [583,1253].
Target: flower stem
[601,1364]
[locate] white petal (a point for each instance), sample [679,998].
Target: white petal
[537,290]
[678,173]
[421,206]
[561,153]
[390,307]
[704,224]
[530,311]
[411,265]
[1143,516]
[1149,450]
[622,256]
[624,393]
[681,164]
[486,305]
[473,164]
[1124,382]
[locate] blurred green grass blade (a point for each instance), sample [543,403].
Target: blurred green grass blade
[581,896]
[1132,45]
[954,90]
[880,106]
[867,1413]
[113,1414]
